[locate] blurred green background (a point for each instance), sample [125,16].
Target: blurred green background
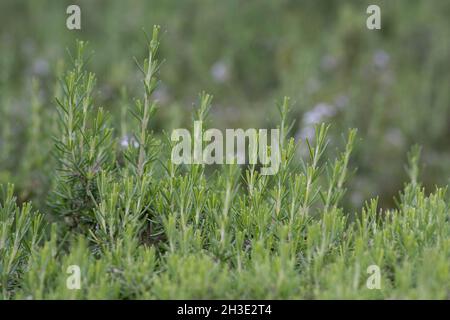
[392,84]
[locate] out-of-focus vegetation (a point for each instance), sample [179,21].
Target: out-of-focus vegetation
[391,84]
[96,164]
[140,226]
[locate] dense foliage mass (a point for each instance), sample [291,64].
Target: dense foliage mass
[390,84]
[139,226]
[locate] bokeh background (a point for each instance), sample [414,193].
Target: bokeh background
[392,84]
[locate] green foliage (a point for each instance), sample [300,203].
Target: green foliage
[140,227]
[84,149]
[390,84]
[21,230]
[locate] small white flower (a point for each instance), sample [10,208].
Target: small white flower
[307,133]
[40,67]
[127,140]
[381,59]
[161,94]
[220,72]
[318,114]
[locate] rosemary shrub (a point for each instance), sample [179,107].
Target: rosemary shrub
[138,226]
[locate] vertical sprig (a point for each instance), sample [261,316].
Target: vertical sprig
[413,164]
[84,148]
[143,147]
[287,150]
[144,110]
[312,168]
